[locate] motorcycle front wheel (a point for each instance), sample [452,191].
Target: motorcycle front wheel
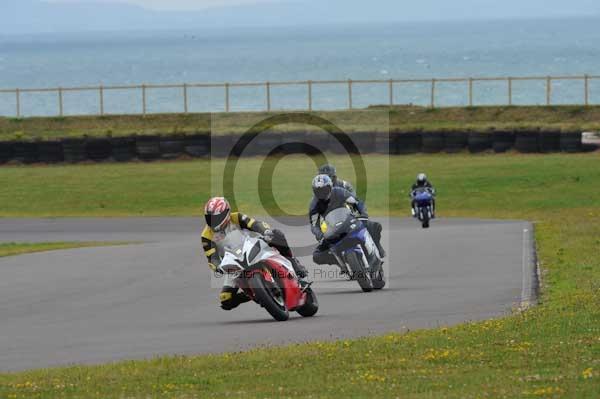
[425,218]
[270,296]
[359,271]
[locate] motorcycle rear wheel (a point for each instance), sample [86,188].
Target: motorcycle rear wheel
[264,296]
[360,273]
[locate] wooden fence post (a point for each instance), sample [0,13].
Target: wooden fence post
[226,97]
[60,102]
[101,98]
[185,98]
[310,99]
[144,100]
[510,96]
[268,89]
[587,90]
[18,95]
[349,93]
[470,92]
[548,90]
[432,93]
[391,91]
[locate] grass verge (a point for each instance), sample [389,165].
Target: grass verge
[511,185]
[550,351]
[15,248]
[401,118]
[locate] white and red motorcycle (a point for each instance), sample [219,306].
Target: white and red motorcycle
[265,276]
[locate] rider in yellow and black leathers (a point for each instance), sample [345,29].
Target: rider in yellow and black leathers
[230,297]
[239,219]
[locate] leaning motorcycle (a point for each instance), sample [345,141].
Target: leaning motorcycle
[423,198]
[353,248]
[265,276]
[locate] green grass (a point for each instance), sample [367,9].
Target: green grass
[16,248]
[401,118]
[499,185]
[550,351]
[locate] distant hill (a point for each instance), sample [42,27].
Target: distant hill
[34,16]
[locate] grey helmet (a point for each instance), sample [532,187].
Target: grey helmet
[329,170]
[421,178]
[322,187]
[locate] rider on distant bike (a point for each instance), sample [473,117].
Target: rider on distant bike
[326,199]
[422,183]
[219,222]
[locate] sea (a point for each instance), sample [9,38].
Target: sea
[425,50]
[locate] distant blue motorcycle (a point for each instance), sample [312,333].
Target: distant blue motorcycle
[423,199]
[353,248]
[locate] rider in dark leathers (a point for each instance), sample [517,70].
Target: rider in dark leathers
[422,182]
[326,199]
[330,170]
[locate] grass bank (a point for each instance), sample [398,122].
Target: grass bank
[17,248]
[550,351]
[401,119]
[499,186]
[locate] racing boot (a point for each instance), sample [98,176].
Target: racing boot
[300,271]
[380,249]
[231,298]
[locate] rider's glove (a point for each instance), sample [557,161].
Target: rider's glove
[214,268]
[317,232]
[268,236]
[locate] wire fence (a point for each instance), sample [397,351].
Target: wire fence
[222,95]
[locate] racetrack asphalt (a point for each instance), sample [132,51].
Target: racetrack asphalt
[158,297]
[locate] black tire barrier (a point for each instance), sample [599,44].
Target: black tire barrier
[316,142]
[197,146]
[433,143]
[26,152]
[527,142]
[549,142]
[408,143]
[98,149]
[503,141]
[364,141]
[172,147]
[50,152]
[571,142]
[123,149]
[382,143]
[220,146]
[74,150]
[456,141]
[293,143]
[264,143]
[6,152]
[147,147]
[334,145]
[479,142]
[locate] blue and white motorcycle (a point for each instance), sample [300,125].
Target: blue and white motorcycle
[354,249]
[423,199]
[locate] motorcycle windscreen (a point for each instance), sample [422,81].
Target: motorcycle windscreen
[338,222]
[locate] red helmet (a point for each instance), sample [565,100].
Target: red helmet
[217,213]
